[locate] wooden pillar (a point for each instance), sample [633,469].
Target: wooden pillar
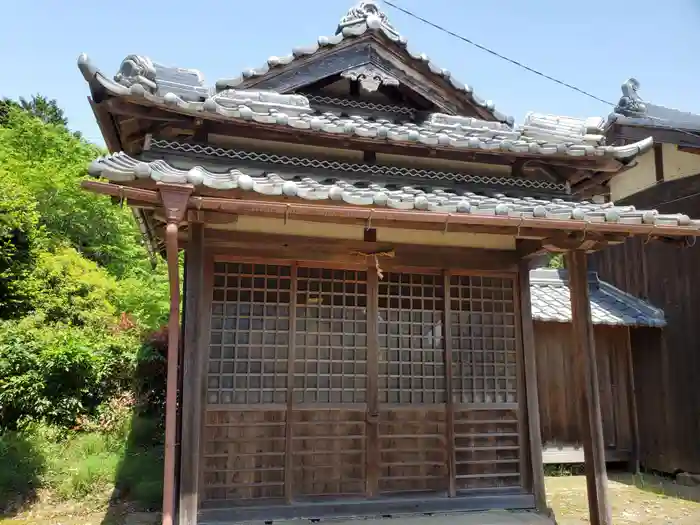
[632,404]
[372,455]
[174,198]
[449,389]
[532,405]
[586,383]
[192,376]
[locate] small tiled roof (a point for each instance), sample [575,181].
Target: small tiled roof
[551,301]
[540,134]
[364,17]
[372,191]
[632,110]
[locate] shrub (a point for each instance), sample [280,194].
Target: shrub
[56,373]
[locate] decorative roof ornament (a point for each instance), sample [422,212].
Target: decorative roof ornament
[137,69]
[631,104]
[369,77]
[367,11]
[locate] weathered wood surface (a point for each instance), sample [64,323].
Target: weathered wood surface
[192,376]
[586,384]
[559,400]
[666,362]
[368,413]
[529,369]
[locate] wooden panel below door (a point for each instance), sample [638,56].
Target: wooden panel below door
[413,450]
[328,452]
[243,456]
[487,448]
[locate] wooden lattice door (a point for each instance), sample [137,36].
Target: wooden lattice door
[330,382]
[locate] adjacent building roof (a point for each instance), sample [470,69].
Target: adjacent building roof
[551,301]
[379,192]
[633,111]
[539,134]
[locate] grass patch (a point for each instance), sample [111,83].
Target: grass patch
[83,465]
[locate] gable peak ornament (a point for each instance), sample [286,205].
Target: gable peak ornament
[367,12]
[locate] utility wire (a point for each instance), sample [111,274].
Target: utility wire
[523,66]
[498,55]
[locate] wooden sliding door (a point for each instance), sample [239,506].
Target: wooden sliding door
[334,383]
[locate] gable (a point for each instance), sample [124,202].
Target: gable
[369,54]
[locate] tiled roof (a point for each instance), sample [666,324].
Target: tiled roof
[632,110]
[371,191]
[539,134]
[551,301]
[360,19]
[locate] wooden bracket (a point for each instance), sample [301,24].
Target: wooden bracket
[175,198]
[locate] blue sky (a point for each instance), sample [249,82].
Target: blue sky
[595,45]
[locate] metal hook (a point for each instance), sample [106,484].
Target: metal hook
[447,221]
[646,241]
[286,214]
[688,244]
[520,224]
[368,224]
[121,196]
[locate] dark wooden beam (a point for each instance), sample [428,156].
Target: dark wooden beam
[449,389]
[529,402]
[586,384]
[632,403]
[659,162]
[192,376]
[373,457]
[522,227]
[295,247]
[664,135]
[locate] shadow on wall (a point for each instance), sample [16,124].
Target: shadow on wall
[21,468]
[138,483]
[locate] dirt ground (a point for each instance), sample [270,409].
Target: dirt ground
[635,500]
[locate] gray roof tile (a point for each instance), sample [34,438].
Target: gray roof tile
[120,167]
[363,17]
[540,134]
[551,301]
[632,110]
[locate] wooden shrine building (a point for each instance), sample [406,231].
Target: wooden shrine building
[357,336]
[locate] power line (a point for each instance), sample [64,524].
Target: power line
[523,66]
[496,54]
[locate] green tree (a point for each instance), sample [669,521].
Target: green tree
[47,110]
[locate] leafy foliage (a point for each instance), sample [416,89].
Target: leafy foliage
[78,293]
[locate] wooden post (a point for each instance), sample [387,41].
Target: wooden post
[373,457]
[532,405]
[174,198]
[586,383]
[449,389]
[632,404]
[192,377]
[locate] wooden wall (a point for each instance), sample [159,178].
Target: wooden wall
[667,366]
[559,403]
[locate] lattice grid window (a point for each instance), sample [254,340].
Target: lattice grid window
[411,343]
[331,336]
[483,339]
[249,339]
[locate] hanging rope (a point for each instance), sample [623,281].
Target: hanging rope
[377,255]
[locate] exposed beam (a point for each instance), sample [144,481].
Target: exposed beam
[586,388]
[523,227]
[391,255]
